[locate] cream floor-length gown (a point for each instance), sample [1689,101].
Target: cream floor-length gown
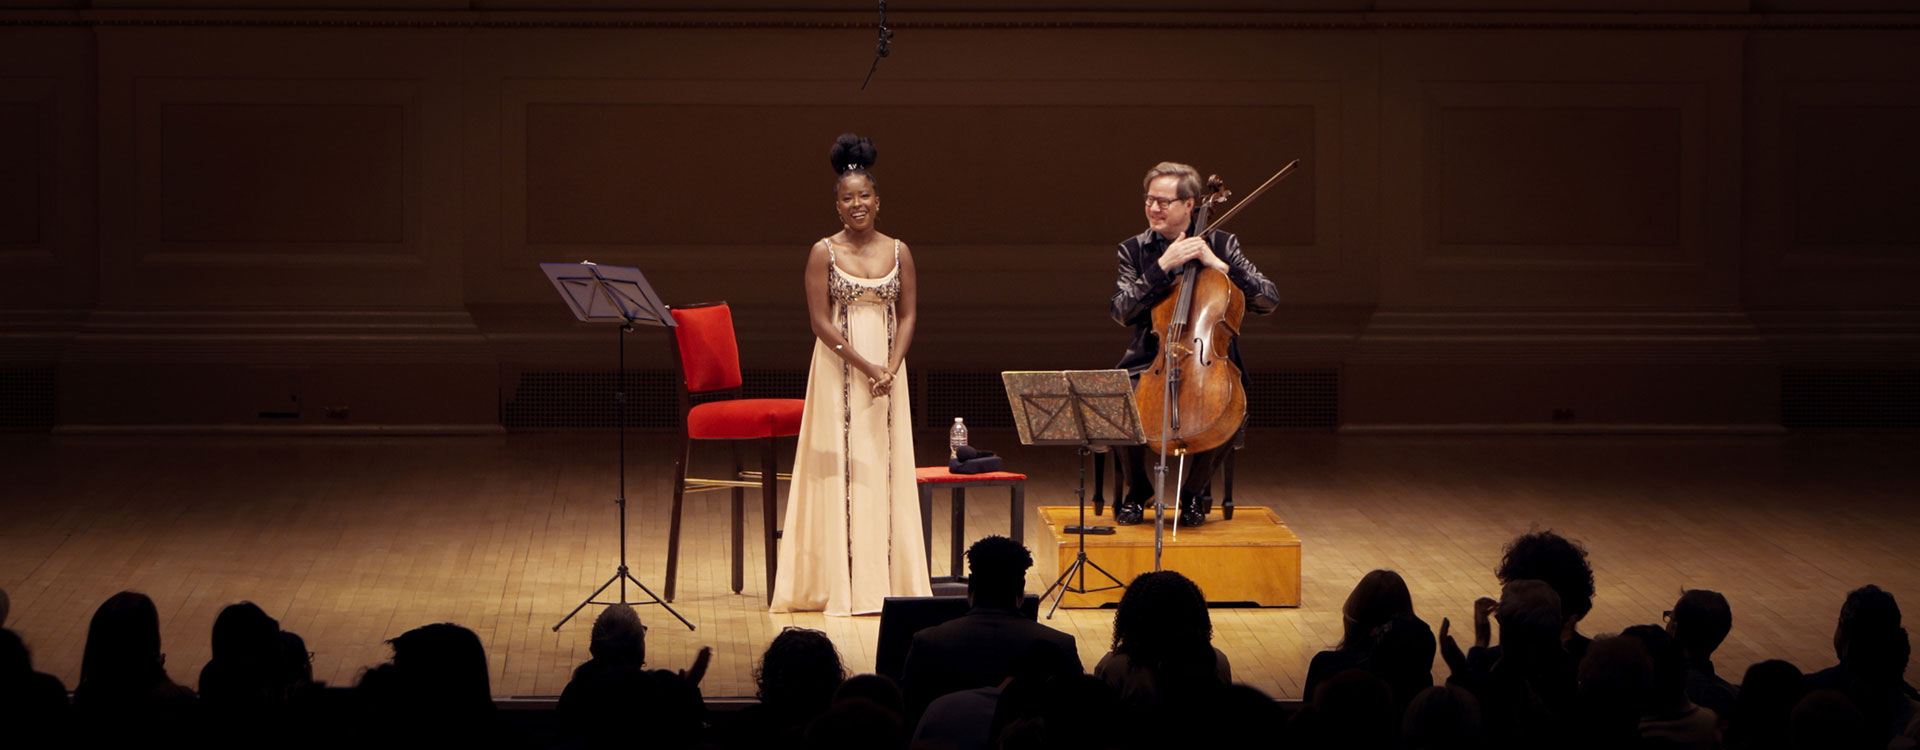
[852,532]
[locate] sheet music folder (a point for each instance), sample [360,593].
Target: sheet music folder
[1074,407]
[606,294]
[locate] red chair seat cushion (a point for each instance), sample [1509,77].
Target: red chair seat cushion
[940,475]
[745,418]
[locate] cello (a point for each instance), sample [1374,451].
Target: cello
[1193,389]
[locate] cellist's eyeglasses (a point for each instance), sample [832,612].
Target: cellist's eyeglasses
[1163,203]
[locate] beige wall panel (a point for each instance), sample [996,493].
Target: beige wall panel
[47,251]
[1012,174]
[280,167]
[1560,236]
[282,173]
[1835,170]
[1567,169]
[24,136]
[1528,178]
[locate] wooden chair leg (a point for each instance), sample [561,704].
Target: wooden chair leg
[1100,483]
[739,520]
[1017,527]
[926,523]
[959,534]
[769,504]
[1226,502]
[673,525]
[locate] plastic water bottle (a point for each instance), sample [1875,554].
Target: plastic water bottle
[956,437]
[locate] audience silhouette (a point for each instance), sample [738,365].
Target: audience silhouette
[1762,715]
[978,649]
[1442,717]
[795,681]
[1699,622]
[238,691]
[436,691]
[1525,685]
[124,691]
[994,679]
[1667,718]
[1383,636]
[1163,659]
[33,705]
[1561,563]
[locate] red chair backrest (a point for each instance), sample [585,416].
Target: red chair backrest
[708,354]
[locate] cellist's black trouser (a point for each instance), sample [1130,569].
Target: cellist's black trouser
[1198,482]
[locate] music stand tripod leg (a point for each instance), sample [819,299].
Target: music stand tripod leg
[1080,561]
[622,574]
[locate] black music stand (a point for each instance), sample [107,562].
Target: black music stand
[613,294]
[1082,408]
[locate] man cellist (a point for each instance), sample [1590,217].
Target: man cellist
[1150,265]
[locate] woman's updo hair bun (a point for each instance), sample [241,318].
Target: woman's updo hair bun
[851,153]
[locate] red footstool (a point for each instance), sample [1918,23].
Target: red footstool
[929,477]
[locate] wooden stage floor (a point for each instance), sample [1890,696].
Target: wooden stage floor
[351,541]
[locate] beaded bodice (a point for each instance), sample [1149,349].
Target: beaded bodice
[848,289]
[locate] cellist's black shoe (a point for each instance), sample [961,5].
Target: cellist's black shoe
[1131,509]
[1191,514]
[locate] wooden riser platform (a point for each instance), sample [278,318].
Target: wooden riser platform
[1253,558]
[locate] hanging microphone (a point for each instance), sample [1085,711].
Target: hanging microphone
[881,48]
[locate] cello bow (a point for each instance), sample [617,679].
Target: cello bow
[1271,181]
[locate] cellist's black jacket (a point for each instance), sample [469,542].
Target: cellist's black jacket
[1141,284]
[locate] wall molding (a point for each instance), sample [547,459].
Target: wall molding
[38,336]
[966,21]
[357,430]
[1552,428]
[1840,338]
[1562,337]
[279,337]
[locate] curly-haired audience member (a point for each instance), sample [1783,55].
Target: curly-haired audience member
[1163,644]
[795,681]
[1562,564]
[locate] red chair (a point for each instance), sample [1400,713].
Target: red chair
[707,361]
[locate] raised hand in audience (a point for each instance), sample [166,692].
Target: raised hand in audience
[1483,609]
[698,671]
[1450,649]
[1450,652]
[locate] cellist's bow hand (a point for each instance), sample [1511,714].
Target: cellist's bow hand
[1208,259]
